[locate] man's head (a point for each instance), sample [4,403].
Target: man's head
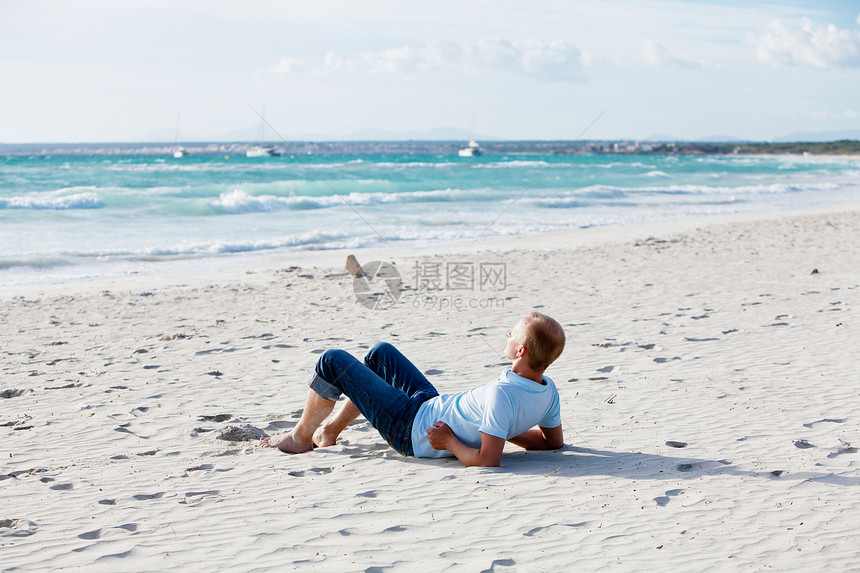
[542,338]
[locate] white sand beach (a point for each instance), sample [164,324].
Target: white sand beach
[709,391]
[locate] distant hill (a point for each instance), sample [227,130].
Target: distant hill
[820,135]
[166,135]
[708,139]
[437,134]
[371,134]
[250,134]
[721,139]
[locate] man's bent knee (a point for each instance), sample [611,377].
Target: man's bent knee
[380,350]
[332,364]
[335,357]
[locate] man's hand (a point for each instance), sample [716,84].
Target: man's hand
[489,455]
[440,435]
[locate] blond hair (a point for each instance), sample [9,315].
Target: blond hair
[543,339]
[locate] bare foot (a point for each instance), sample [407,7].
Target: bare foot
[286,443]
[325,436]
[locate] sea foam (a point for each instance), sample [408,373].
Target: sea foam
[86,200]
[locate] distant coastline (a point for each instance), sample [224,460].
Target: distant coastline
[561,147]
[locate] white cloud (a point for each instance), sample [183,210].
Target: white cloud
[553,61]
[545,61]
[438,54]
[655,54]
[332,63]
[403,60]
[806,44]
[285,66]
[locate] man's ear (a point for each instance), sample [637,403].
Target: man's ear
[521,351]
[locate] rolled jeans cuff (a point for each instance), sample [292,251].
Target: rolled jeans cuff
[324,388]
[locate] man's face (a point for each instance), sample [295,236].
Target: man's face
[514,338]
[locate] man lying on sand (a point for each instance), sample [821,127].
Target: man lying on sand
[415,420]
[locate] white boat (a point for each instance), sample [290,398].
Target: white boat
[262,151]
[178,151]
[472,150]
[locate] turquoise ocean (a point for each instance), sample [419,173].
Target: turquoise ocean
[106,213]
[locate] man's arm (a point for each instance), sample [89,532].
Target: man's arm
[489,455]
[540,438]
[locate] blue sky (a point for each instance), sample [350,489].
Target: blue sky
[97,70]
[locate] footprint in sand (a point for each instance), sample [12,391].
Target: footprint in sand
[433,372]
[11,393]
[97,533]
[17,528]
[849,449]
[310,471]
[195,497]
[215,418]
[663,500]
[71,385]
[62,486]
[500,562]
[146,496]
[394,529]
[200,468]
[91,534]
[803,444]
[846,448]
[830,420]
[541,530]
[706,465]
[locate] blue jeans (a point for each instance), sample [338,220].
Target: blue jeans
[387,389]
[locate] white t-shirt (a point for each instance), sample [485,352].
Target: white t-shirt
[505,408]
